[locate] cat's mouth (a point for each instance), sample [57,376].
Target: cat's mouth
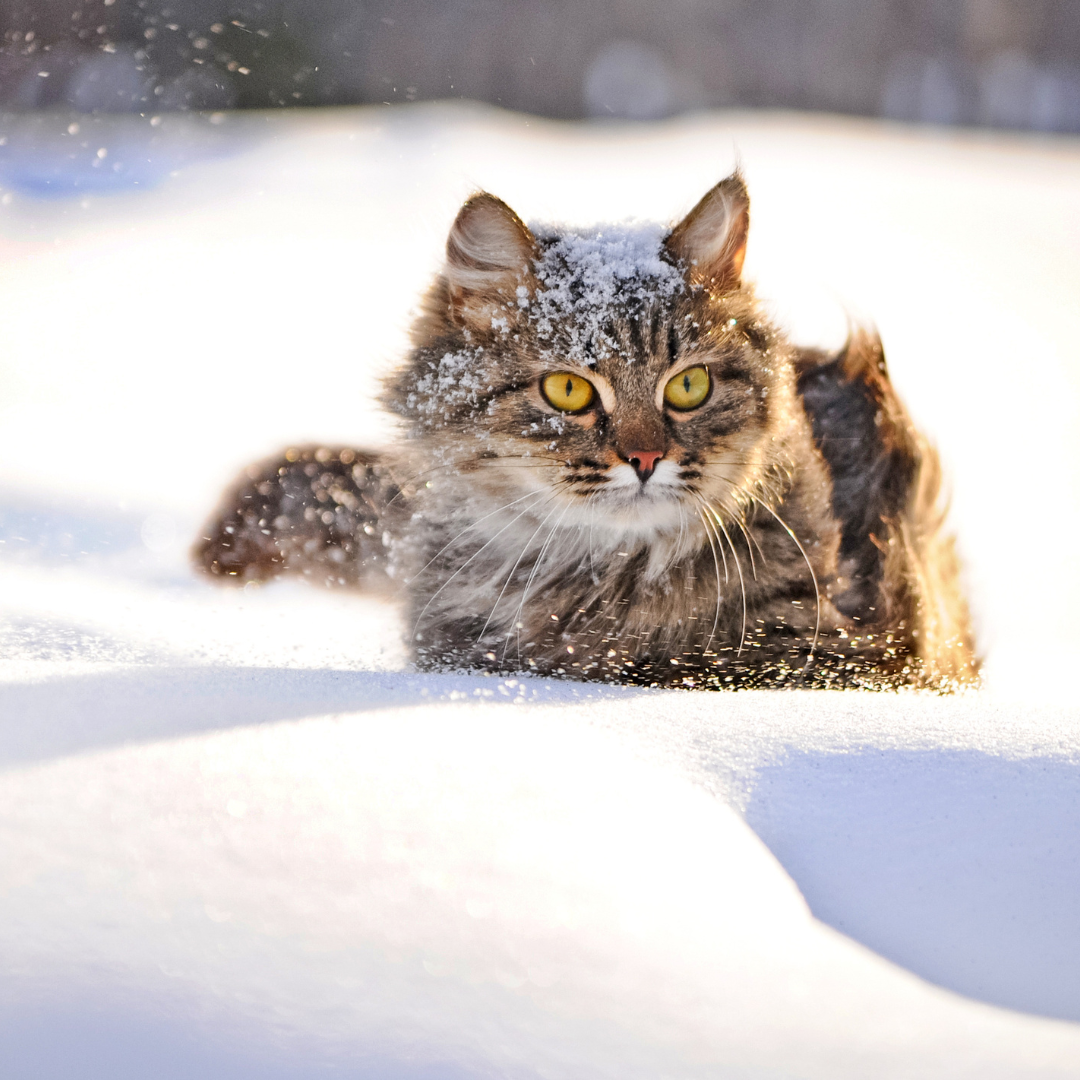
[623,500]
[626,486]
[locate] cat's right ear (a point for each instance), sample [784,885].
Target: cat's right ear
[489,256]
[711,240]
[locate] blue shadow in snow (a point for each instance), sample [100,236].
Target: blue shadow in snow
[50,531]
[89,1041]
[43,720]
[960,866]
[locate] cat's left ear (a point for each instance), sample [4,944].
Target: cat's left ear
[711,239]
[489,257]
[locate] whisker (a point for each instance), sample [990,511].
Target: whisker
[749,533]
[701,499]
[716,566]
[498,599]
[592,541]
[746,537]
[432,598]
[472,525]
[521,461]
[740,520]
[532,575]
[738,567]
[813,576]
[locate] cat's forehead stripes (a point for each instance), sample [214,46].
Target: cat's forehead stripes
[592,286]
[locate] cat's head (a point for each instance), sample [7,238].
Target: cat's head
[622,374]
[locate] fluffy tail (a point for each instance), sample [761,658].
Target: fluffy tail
[898,561]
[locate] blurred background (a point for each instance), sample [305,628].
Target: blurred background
[994,63]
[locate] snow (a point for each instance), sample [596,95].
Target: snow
[449,385]
[585,273]
[238,838]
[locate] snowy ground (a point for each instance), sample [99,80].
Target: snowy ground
[238,840]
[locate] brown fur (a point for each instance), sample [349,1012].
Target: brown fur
[789,535]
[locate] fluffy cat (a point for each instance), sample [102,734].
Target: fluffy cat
[614,467]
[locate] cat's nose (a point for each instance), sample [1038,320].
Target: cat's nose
[644,462]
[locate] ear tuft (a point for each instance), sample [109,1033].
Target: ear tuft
[711,239]
[488,257]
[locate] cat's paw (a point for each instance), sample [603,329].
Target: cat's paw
[321,512]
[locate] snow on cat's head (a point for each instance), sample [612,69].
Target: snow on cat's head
[621,374]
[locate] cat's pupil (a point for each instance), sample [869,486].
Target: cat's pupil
[569,387]
[686,383]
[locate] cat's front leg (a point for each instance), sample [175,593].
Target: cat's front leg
[326,513]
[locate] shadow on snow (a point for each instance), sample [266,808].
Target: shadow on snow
[960,866]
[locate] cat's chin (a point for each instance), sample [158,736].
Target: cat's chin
[661,524]
[648,522]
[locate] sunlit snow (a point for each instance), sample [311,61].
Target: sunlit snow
[238,838]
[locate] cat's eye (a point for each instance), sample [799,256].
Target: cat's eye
[567,392]
[688,389]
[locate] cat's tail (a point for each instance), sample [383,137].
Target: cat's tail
[326,513]
[895,551]
[942,621]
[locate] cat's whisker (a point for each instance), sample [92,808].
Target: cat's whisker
[479,550]
[513,570]
[532,575]
[520,463]
[740,520]
[592,541]
[750,538]
[536,566]
[536,461]
[738,567]
[750,550]
[701,500]
[813,576]
[472,525]
[517,615]
[716,566]
[403,484]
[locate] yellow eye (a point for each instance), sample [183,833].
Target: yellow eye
[688,389]
[570,393]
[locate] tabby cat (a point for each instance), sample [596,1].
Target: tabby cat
[614,467]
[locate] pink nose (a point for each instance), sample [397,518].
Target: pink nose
[644,462]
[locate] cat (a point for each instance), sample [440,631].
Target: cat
[614,467]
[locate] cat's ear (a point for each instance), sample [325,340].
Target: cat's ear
[711,239]
[489,257]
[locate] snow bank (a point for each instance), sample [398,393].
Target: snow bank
[238,839]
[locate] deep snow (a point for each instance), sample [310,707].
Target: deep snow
[238,840]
